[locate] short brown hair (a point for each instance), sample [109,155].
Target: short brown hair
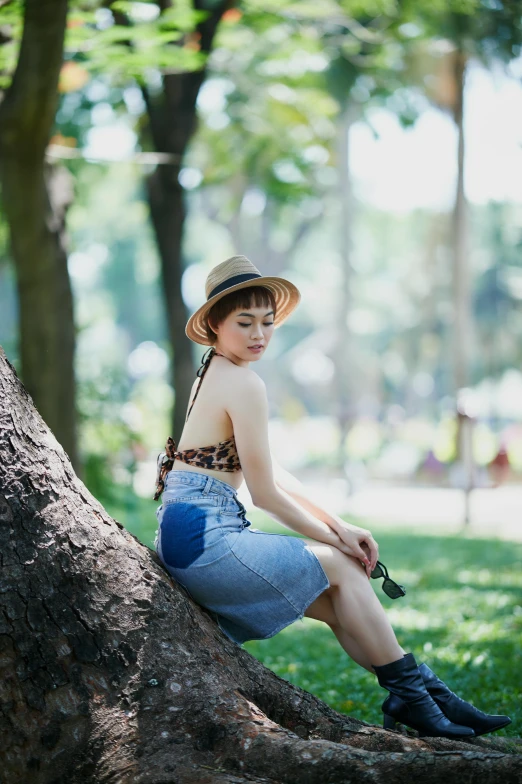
[250,296]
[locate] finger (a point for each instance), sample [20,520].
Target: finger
[365,559]
[367,568]
[374,552]
[363,555]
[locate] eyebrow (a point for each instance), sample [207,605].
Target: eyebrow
[252,315]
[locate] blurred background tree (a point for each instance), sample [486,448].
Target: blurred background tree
[36,198]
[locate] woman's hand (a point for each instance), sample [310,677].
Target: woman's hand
[359,543]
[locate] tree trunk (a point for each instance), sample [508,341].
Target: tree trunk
[172,122]
[167,210]
[461,284]
[35,199]
[342,354]
[110,672]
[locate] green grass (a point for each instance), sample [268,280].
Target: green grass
[462,614]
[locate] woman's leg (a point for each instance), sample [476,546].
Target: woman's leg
[361,625]
[359,620]
[322,610]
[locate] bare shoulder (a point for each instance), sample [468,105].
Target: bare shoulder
[241,375]
[245,395]
[243,382]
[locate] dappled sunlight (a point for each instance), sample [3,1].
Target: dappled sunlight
[408,618]
[488,577]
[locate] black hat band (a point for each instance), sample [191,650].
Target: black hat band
[233,282]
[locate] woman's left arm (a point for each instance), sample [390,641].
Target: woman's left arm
[289,484]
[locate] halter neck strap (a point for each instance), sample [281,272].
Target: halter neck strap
[205,362]
[166,459]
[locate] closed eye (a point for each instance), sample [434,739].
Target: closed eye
[269,324]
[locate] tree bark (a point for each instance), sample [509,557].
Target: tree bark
[35,199]
[110,672]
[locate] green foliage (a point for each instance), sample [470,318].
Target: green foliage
[462,615]
[108,445]
[137,514]
[121,44]
[181,15]
[276,127]
[11,17]
[125,47]
[481,28]
[111,211]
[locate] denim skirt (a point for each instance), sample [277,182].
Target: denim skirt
[252,583]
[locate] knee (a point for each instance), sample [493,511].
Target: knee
[353,571]
[352,562]
[338,565]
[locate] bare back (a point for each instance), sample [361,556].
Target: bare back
[209,422]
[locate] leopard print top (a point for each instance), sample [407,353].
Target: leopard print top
[222,456]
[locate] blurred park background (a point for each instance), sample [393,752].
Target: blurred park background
[371,152]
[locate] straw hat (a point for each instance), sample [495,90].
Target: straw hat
[238,272]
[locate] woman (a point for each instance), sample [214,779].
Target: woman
[255,583]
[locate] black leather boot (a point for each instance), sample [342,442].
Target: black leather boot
[457,709]
[414,706]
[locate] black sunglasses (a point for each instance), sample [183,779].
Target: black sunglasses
[389,586]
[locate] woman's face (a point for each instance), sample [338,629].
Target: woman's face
[242,328]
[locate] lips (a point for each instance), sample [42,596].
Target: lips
[258,345]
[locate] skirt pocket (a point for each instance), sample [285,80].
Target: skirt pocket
[182,533]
